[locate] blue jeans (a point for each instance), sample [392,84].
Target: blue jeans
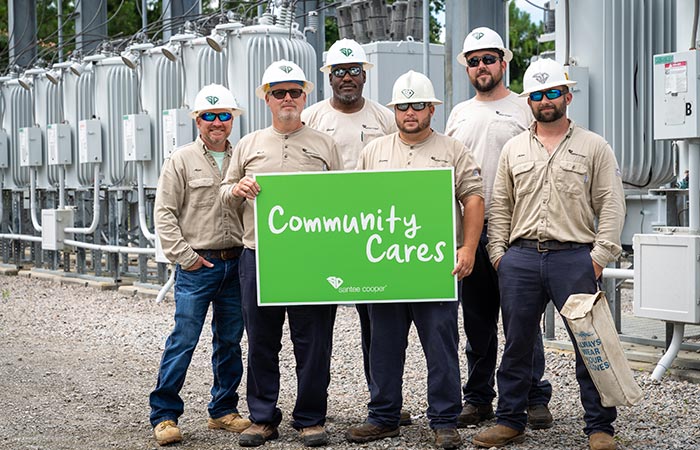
[438,332]
[480,309]
[528,280]
[311,332]
[194,291]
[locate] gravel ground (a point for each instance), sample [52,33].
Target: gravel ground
[77,365]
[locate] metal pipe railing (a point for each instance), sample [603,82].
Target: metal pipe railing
[111,248]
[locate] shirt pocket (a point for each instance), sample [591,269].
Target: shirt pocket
[312,161]
[571,178]
[524,178]
[201,193]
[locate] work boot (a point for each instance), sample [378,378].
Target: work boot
[539,417]
[314,436]
[167,432]
[405,419]
[498,436]
[230,422]
[368,432]
[601,441]
[474,414]
[257,434]
[447,438]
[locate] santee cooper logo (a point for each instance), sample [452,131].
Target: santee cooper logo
[337,282]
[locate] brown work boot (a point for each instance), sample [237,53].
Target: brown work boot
[314,436]
[167,432]
[230,422]
[539,417]
[474,414]
[257,434]
[405,419]
[601,441]
[447,438]
[498,436]
[368,432]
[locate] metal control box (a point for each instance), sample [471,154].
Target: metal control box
[53,225]
[667,277]
[59,144]
[177,130]
[676,95]
[137,137]
[4,150]
[89,141]
[30,151]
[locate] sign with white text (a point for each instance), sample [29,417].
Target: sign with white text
[356,237]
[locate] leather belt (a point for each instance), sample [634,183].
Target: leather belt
[225,254]
[546,246]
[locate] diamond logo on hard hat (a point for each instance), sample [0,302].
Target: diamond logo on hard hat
[213,100]
[477,35]
[408,93]
[346,51]
[541,77]
[286,69]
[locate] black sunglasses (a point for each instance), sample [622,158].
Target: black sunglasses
[353,71]
[487,59]
[549,93]
[211,116]
[279,94]
[418,106]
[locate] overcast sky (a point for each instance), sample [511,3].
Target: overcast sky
[535,13]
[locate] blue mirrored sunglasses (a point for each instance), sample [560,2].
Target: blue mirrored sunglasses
[549,93]
[353,71]
[210,116]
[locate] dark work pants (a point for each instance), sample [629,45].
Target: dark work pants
[480,309]
[311,332]
[528,280]
[366,339]
[437,328]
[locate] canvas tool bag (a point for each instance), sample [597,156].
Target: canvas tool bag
[593,328]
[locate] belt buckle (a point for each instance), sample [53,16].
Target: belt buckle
[541,249]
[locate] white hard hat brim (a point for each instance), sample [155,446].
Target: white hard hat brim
[545,86]
[507,55]
[261,90]
[433,100]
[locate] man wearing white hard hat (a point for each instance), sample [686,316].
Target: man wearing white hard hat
[203,239]
[555,221]
[353,121]
[484,124]
[416,145]
[286,146]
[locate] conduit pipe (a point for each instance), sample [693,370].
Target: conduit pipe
[666,360]
[694,186]
[95,207]
[111,248]
[61,187]
[618,274]
[20,237]
[166,287]
[32,199]
[142,205]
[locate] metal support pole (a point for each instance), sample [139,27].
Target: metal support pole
[22,31]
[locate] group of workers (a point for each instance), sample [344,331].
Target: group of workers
[541,210]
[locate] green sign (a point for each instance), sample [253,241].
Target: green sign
[356,237]
[663,59]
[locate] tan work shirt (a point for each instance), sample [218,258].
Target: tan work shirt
[438,150]
[188,211]
[351,131]
[485,127]
[558,197]
[268,151]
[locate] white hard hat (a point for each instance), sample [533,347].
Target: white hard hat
[480,39]
[544,74]
[345,51]
[280,72]
[413,87]
[215,96]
